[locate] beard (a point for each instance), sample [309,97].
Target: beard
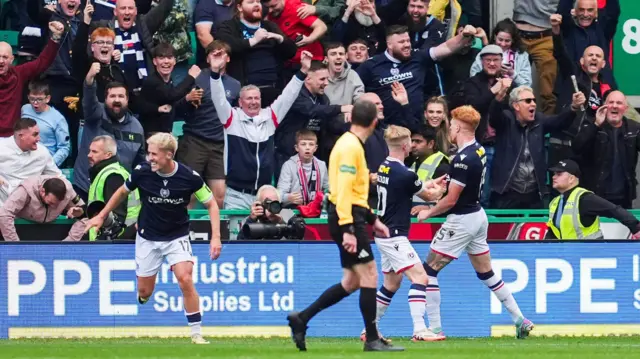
[115,115]
[250,17]
[363,19]
[416,26]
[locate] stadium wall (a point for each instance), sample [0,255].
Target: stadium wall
[88,290]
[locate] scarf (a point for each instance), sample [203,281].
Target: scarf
[128,42]
[312,185]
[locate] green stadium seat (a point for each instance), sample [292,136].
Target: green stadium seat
[10,37]
[68,173]
[194,46]
[177,128]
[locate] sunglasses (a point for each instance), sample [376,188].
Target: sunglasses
[527,100]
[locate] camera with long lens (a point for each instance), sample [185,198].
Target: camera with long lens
[293,229]
[111,227]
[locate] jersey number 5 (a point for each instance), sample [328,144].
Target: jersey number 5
[382,201]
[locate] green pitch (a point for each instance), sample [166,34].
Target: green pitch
[547,348]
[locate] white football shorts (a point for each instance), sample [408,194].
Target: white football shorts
[396,254]
[151,254]
[462,232]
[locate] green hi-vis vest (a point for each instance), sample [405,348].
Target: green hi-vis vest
[427,169]
[570,225]
[96,193]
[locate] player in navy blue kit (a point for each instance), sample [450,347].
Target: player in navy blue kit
[397,185]
[166,187]
[399,63]
[465,228]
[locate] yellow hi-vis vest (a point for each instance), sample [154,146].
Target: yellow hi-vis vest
[570,225]
[427,169]
[96,193]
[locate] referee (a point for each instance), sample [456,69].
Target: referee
[349,214]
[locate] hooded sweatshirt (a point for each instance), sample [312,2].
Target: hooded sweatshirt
[289,181]
[346,88]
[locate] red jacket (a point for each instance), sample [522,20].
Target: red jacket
[13,82]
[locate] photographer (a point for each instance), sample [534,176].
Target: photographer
[265,220]
[264,210]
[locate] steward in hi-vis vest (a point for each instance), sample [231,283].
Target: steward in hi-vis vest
[426,158]
[576,212]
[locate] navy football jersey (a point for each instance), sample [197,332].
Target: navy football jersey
[396,186]
[468,169]
[164,198]
[379,72]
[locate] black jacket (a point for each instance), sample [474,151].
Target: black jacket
[350,31]
[155,93]
[308,111]
[510,139]
[230,31]
[595,143]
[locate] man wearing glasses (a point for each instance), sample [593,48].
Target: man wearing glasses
[54,131]
[520,164]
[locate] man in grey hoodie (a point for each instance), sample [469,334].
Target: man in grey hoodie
[345,85]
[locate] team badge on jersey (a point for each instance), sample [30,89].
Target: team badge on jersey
[164,193]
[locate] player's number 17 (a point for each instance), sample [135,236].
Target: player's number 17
[186,245]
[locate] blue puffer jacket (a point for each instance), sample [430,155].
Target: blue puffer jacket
[128,134]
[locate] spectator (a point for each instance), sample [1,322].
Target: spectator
[532,20]
[594,80]
[357,53]
[202,147]
[305,32]
[479,92]
[518,174]
[103,50]
[311,110]
[427,159]
[106,8]
[158,96]
[611,144]
[207,16]
[400,63]
[107,175]
[449,12]
[260,214]
[515,61]
[455,71]
[344,85]
[365,24]
[249,132]
[54,132]
[42,199]
[590,26]
[303,176]
[134,37]
[424,30]
[327,10]
[575,214]
[59,74]
[21,157]
[175,31]
[258,48]
[111,118]
[14,78]
[436,115]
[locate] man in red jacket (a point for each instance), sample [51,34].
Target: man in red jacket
[14,78]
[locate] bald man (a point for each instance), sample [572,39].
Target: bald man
[585,25]
[610,145]
[13,79]
[135,32]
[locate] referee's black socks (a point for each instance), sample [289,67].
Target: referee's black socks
[368,310]
[331,296]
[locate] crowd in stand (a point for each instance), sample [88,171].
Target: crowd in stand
[92,79]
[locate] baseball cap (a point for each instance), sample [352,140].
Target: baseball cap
[491,50]
[569,166]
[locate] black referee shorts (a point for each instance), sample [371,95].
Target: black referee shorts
[363,253]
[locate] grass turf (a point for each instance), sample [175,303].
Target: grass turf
[280,348]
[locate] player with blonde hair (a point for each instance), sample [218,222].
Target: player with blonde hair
[396,187]
[465,229]
[165,188]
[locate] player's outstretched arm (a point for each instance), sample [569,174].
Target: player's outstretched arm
[117,198]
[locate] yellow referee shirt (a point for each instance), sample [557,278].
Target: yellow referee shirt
[348,177]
